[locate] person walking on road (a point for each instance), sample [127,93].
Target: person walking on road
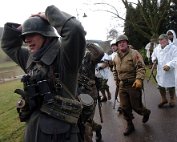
[87,85]
[165,55]
[114,49]
[130,70]
[172,37]
[149,49]
[51,66]
[102,75]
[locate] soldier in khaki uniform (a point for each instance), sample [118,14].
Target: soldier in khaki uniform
[130,70]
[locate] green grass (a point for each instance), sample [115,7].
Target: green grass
[8,64]
[11,129]
[9,69]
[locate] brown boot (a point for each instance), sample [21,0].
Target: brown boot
[97,128]
[162,103]
[146,116]
[130,128]
[172,101]
[104,98]
[108,94]
[163,98]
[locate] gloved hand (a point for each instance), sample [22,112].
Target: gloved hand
[166,68]
[138,84]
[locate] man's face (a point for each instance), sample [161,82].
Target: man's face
[163,42]
[34,42]
[170,35]
[123,45]
[114,48]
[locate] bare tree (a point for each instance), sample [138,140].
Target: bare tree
[152,12]
[112,34]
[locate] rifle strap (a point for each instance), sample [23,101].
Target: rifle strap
[62,84]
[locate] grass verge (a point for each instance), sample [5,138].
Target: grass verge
[11,129]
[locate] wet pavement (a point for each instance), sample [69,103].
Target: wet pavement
[161,127]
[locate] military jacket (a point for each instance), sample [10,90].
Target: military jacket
[65,55]
[129,66]
[86,78]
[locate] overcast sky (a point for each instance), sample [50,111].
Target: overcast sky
[96,23]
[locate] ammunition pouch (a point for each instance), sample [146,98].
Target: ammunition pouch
[69,110]
[64,109]
[38,95]
[85,82]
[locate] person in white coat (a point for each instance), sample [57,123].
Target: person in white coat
[166,56]
[172,39]
[102,76]
[114,48]
[149,49]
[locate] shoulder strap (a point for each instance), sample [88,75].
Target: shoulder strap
[53,75]
[67,90]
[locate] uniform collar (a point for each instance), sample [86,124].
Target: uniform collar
[48,57]
[121,54]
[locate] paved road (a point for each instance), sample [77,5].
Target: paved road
[161,127]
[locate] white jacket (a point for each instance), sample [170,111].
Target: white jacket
[147,47]
[166,56]
[103,73]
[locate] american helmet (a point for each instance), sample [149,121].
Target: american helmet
[121,37]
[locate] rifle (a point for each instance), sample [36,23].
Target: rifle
[99,108]
[116,95]
[152,72]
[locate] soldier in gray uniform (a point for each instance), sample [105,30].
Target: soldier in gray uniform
[86,85]
[130,70]
[47,61]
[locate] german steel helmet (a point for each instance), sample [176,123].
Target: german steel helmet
[92,45]
[37,25]
[121,37]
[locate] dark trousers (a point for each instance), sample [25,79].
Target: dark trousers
[131,99]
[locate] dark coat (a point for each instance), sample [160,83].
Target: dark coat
[66,55]
[86,79]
